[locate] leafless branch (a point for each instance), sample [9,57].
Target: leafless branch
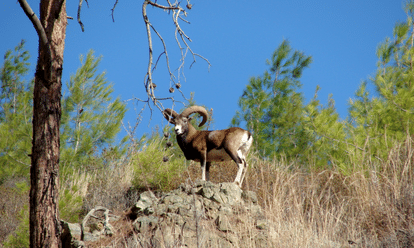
[177,14]
[35,21]
[79,13]
[164,52]
[131,130]
[43,39]
[113,10]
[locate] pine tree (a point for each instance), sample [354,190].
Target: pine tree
[377,123]
[272,107]
[327,147]
[91,119]
[16,108]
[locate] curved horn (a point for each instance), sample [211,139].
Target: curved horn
[196,109]
[170,115]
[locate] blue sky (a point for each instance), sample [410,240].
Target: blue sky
[235,36]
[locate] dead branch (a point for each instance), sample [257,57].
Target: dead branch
[79,13]
[91,214]
[113,10]
[177,13]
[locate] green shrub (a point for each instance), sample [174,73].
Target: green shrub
[70,204]
[150,170]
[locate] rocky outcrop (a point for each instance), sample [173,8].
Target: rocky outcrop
[95,226]
[200,215]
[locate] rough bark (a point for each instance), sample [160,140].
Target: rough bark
[44,173]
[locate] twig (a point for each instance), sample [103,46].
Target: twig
[79,13]
[177,13]
[402,109]
[165,52]
[113,10]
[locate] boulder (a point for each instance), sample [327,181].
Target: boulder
[202,214]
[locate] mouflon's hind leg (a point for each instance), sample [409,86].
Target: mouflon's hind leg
[203,170]
[238,179]
[208,164]
[203,163]
[236,158]
[242,168]
[243,151]
[244,171]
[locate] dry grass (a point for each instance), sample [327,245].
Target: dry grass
[104,187]
[372,208]
[12,202]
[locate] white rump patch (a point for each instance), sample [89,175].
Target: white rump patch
[246,142]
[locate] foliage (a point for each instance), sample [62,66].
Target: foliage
[70,204]
[150,170]
[15,114]
[90,119]
[377,123]
[328,145]
[90,122]
[271,106]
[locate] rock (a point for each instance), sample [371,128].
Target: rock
[145,223]
[203,214]
[93,230]
[223,223]
[145,202]
[91,236]
[71,235]
[249,196]
[231,193]
[208,213]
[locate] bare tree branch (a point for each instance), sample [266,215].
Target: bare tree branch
[182,41]
[79,13]
[43,39]
[148,76]
[113,10]
[35,21]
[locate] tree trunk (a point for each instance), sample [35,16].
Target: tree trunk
[44,173]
